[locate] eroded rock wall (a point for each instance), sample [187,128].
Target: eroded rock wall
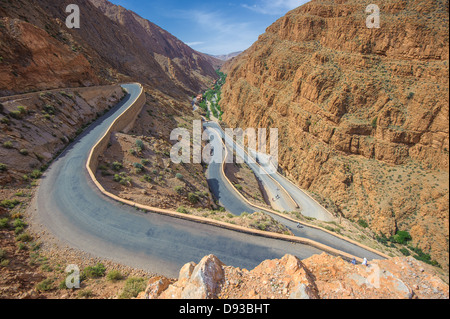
[363,114]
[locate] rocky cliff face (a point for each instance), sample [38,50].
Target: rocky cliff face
[30,59]
[318,277]
[363,113]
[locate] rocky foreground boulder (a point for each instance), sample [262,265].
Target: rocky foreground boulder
[318,277]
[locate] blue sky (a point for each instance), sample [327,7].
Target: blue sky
[214,27]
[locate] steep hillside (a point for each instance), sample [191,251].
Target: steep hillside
[36,127]
[30,59]
[362,113]
[185,67]
[36,44]
[38,52]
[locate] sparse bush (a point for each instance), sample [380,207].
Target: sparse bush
[139,167]
[15,115]
[4,262]
[36,174]
[4,223]
[133,286]
[182,210]
[426,258]
[2,255]
[19,230]
[35,246]
[24,152]
[45,285]
[221,209]
[104,170]
[70,96]
[49,109]
[122,178]
[22,109]
[3,258]
[140,144]
[114,275]
[260,226]
[382,239]
[402,237]
[179,189]
[374,122]
[87,293]
[24,237]
[193,198]
[3,167]
[8,145]
[103,167]
[19,223]
[117,166]
[179,176]
[8,203]
[363,223]
[405,251]
[94,272]
[19,113]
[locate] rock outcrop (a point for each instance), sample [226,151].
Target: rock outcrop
[30,59]
[200,281]
[362,113]
[318,277]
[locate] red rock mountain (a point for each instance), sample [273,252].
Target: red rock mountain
[363,114]
[39,52]
[185,66]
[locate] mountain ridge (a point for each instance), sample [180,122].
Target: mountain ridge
[107,48]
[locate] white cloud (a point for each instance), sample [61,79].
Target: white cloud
[224,35]
[193,44]
[275,7]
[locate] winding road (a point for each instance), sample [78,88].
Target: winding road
[69,206]
[229,199]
